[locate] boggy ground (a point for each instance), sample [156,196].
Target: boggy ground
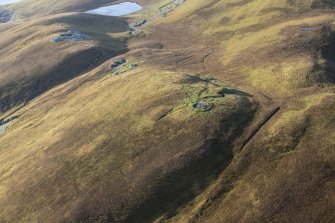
[130,148]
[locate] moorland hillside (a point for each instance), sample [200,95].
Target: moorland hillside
[197,111]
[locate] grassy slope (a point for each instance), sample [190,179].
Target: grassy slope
[286,172]
[44,64]
[111,148]
[130,148]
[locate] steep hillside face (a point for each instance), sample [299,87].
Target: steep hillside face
[213,111]
[118,152]
[267,42]
[32,63]
[282,53]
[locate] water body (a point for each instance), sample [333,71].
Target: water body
[121,9]
[7,2]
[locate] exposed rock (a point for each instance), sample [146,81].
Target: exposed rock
[201,105]
[163,11]
[135,27]
[6,15]
[72,36]
[166,9]
[138,24]
[117,64]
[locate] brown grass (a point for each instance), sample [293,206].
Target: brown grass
[101,148]
[43,64]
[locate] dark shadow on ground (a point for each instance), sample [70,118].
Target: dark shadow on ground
[227,91]
[31,84]
[200,171]
[328,54]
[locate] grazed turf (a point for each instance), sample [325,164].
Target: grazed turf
[97,147]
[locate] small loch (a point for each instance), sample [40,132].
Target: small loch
[120,9]
[7,2]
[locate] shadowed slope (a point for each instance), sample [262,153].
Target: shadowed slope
[32,64]
[105,151]
[134,147]
[281,52]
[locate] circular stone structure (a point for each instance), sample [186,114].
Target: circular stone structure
[201,106]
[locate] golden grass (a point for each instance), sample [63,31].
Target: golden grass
[54,63]
[109,125]
[130,148]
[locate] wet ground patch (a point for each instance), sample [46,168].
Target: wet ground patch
[307,28]
[4,123]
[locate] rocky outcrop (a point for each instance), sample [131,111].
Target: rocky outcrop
[71,36]
[6,15]
[166,9]
[117,64]
[121,66]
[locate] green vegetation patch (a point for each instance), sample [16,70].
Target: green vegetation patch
[204,94]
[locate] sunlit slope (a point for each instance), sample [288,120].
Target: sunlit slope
[133,147]
[287,59]
[123,148]
[284,174]
[263,43]
[281,52]
[31,63]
